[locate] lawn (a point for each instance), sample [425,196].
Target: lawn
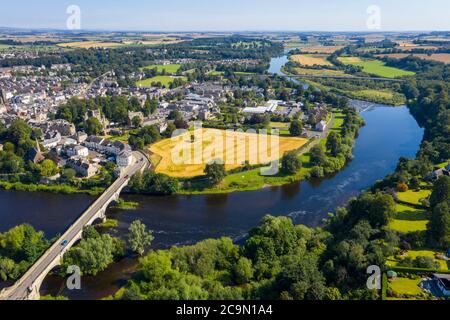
[169,68]
[413,197]
[375,67]
[405,286]
[444,265]
[235,148]
[310,60]
[164,80]
[409,219]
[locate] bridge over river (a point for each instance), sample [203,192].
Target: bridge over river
[28,287]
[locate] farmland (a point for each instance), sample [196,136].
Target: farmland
[310,60]
[375,67]
[439,57]
[90,44]
[215,141]
[320,49]
[319,72]
[169,68]
[164,80]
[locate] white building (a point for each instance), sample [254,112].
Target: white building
[321,126]
[51,139]
[77,151]
[124,159]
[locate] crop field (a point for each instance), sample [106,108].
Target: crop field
[375,67]
[213,145]
[164,80]
[439,57]
[169,68]
[320,49]
[90,44]
[310,60]
[320,72]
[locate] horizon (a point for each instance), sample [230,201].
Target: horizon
[232,16]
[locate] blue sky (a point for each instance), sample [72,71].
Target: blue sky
[229,15]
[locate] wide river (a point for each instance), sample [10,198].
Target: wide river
[389,134]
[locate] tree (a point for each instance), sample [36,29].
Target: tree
[291,163]
[215,173]
[136,121]
[439,225]
[93,126]
[243,271]
[92,255]
[47,168]
[296,128]
[139,237]
[334,143]
[318,156]
[441,191]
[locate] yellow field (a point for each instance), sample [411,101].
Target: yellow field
[320,49]
[440,57]
[233,147]
[90,44]
[310,60]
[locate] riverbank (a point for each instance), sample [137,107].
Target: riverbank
[58,189]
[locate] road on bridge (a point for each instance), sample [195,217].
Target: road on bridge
[20,290]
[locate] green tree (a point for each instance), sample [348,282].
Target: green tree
[439,225]
[136,122]
[139,237]
[291,163]
[318,156]
[47,168]
[441,191]
[334,143]
[295,128]
[215,173]
[93,126]
[243,271]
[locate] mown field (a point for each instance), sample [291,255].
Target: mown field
[90,44]
[169,68]
[375,67]
[310,60]
[213,140]
[439,57]
[164,80]
[320,49]
[409,219]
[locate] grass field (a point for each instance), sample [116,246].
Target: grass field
[405,287]
[164,80]
[310,60]
[320,49]
[90,44]
[375,67]
[409,219]
[215,140]
[439,57]
[169,68]
[320,72]
[413,197]
[443,264]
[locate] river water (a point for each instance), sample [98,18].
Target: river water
[177,220]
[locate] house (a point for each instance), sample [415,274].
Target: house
[64,127]
[51,139]
[321,126]
[82,167]
[443,282]
[124,159]
[81,136]
[77,151]
[35,155]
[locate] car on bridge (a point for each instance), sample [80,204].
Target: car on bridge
[64,243]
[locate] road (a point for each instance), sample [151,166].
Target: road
[20,289]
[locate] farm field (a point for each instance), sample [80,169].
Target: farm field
[439,57]
[320,49]
[375,67]
[169,68]
[320,72]
[90,44]
[164,80]
[212,139]
[413,197]
[310,60]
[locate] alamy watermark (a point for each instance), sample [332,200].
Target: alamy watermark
[374,20]
[73,22]
[74,280]
[374,280]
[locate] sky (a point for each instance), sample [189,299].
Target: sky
[231,15]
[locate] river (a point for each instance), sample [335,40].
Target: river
[389,134]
